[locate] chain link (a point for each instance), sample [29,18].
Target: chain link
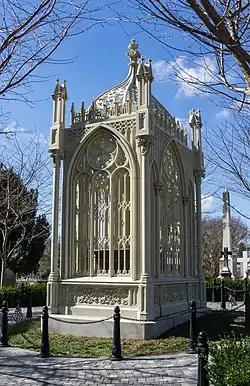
[80,322]
[158,318]
[234,290]
[172,316]
[224,311]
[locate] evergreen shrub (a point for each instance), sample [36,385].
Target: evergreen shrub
[20,292]
[230,362]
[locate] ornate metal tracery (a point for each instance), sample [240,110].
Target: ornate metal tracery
[103,208]
[171,208]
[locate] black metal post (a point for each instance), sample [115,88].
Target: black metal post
[21,294]
[116,344]
[45,351]
[29,305]
[192,328]
[245,289]
[247,306]
[213,290]
[202,348]
[222,294]
[4,335]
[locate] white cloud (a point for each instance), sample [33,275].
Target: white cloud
[207,203]
[190,77]
[162,70]
[223,114]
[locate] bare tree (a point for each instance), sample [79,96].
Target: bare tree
[228,152]
[31,32]
[214,35]
[24,173]
[212,242]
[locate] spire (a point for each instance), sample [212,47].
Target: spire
[196,124]
[59,98]
[60,90]
[133,53]
[149,72]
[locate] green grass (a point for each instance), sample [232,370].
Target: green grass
[28,335]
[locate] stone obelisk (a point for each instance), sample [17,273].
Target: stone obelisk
[227,265]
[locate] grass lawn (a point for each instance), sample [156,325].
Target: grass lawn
[28,335]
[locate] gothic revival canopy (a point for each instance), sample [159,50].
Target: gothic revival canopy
[130,200]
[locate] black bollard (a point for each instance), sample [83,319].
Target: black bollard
[192,328]
[116,344]
[29,305]
[213,290]
[4,335]
[222,294]
[22,294]
[247,306]
[246,289]
[45,334]
[202,348]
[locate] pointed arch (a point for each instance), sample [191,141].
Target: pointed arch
[173,146]
[154,166]
[99,182]
[87,138]
[171,212]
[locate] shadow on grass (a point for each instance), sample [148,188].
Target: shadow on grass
[216,324]
[23,331]
[22,327]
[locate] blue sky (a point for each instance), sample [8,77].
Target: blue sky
[102,63]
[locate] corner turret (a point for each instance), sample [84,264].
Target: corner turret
[59,97]
[196,125]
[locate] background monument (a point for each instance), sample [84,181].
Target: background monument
[131,210]
[228,262]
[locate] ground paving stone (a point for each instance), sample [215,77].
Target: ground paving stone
[24,367]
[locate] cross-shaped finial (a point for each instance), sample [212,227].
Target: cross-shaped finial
[226,253]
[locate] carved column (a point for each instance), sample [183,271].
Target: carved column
[144,142]
[186,239]
[158,186]
[198,178]
[53,277]
[199,258]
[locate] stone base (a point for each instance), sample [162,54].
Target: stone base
[67,324]
[225,273]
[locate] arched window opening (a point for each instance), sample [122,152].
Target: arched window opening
[103,208]
[83,202]
[101,219]
[121,221]
[170,222]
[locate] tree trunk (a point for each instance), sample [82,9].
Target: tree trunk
[2,271]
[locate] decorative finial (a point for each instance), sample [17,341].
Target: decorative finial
[133,52]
